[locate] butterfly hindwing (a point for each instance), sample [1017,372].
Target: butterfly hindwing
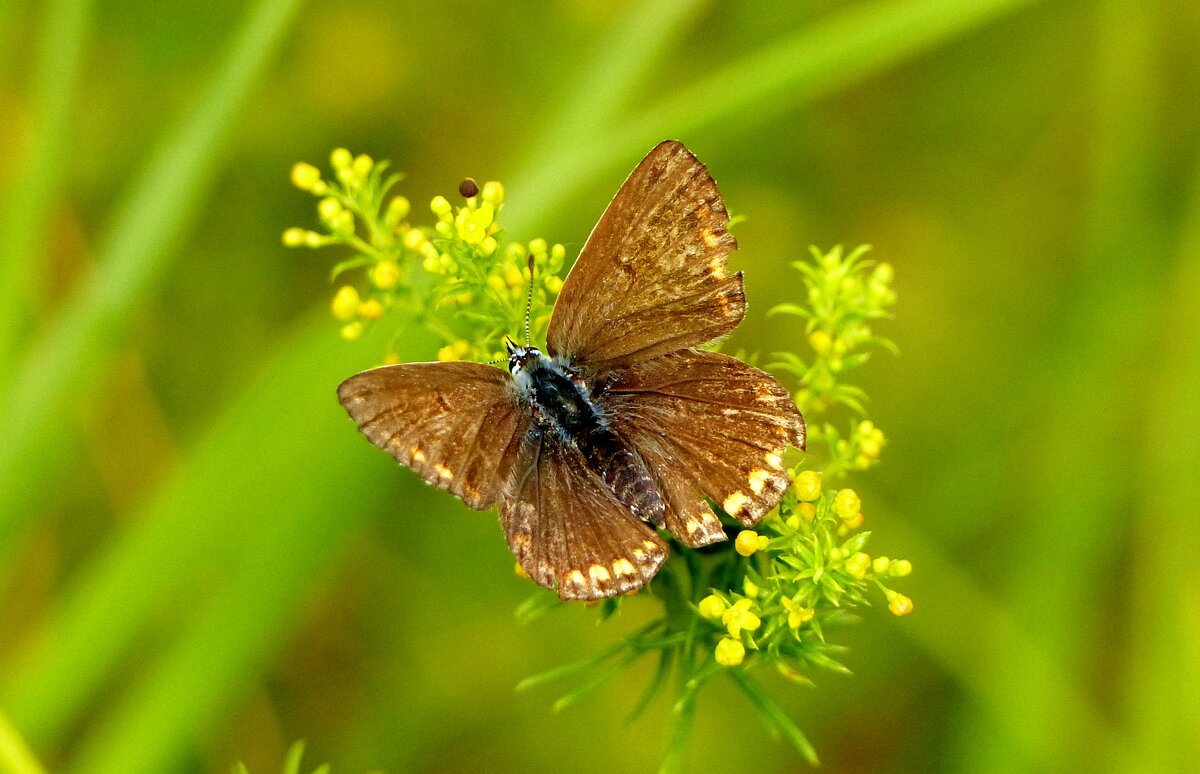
[711,426]
[457,425]
[568,530]
[651,278]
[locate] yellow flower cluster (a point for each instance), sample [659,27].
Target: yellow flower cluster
[737,618]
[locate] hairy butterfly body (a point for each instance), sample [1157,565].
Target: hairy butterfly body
[620,427]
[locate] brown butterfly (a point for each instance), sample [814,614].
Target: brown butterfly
[621,427]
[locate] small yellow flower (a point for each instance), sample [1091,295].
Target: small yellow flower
[537,246]
[346,302]
[313,239]
[900,568]
[820,341]
[798,614]
[747,542]
[712,606]
[493,193]
[858,565]
[340,158]
[294,237]
[738,618]
[472,226]
[808,485]
[855,521]
[553,284]
[305,176]
[385,275]
[370,309]
[513,276]
[881,565]
[730,652]
[847,503]
[899,604]
[807,510]
[351,331]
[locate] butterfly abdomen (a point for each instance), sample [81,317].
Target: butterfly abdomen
[624,473]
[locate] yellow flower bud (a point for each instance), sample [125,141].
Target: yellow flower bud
[362,166]
[313,239]
[462,348]
[855,521]
[537,246]
[747,542]
[847,503]
[513,276]
[293,237]
[820,341]
[305,176]
[446,354]
[488,245]
[371,309]
[730,652]
[340,158]
[858,565]
[351,331]
[553,284]
[807,510]
[712,607]
[750,588]
[493,193]
[900,568]
[899,604]
[346,302]
[329,208]
[440,206]
[808,485]
[398,209]
[414,239]
[881,565]
[385,275]
[391,358]
[520,571]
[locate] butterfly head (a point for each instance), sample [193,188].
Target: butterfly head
[522,358]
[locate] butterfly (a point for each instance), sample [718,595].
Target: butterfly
[621,428]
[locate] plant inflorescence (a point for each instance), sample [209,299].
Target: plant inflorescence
[768,598]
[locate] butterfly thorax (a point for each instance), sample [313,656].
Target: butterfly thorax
[561,404]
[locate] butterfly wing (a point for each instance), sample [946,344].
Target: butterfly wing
[568,530]
[709,426]
[457,425]
[651,278]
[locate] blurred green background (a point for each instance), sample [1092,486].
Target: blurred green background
[201,560]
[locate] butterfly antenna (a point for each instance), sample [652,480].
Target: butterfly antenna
[529,300]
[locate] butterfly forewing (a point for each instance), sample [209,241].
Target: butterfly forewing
[651,278]
[568,530]
[457,425]
[712,426]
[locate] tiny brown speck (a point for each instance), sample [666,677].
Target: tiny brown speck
[468,188]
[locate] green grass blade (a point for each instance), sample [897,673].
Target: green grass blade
[15,755]
[617,66]
[69,361]
[257,466]
[33,192]
[845,48]
[1164,665]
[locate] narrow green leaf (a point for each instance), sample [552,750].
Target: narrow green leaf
[291,764]
[69,361]
[774,717]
